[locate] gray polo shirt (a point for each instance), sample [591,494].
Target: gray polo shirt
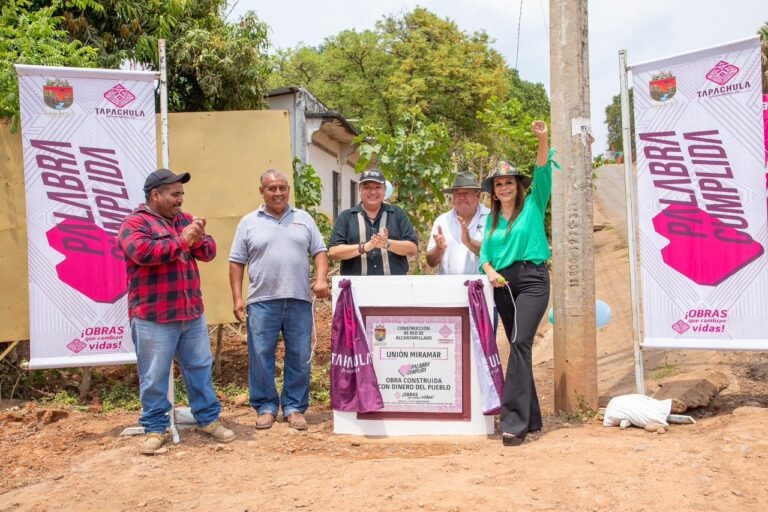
[275,252]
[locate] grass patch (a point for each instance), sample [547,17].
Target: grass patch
[181,396]
[121,397]
[582,413]
[320,384]
[668,370]
[231,390]
[62,398]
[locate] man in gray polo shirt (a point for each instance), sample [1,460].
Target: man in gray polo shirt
[274,242]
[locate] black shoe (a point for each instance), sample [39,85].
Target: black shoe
[511,439]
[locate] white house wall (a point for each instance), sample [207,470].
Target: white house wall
[348,173]
[304,131]
[287,102]
[324,165]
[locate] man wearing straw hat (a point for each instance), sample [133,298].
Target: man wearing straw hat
[454,244]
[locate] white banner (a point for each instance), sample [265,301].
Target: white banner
[702,199]
[89,143]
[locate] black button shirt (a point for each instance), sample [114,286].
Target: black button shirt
[346,232]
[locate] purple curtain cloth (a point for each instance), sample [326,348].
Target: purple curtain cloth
[487,360]
[354,387]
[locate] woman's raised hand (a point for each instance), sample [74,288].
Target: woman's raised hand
[539,129]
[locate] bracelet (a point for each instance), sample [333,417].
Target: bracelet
[386,246]
[361,248]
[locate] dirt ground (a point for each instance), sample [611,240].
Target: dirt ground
[75,460]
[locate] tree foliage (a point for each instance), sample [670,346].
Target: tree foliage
[444,72]
[413,60]
[212,64]
[221,68]
[34,37]
[308,192]
[416,159]
[430,98]
[613,123]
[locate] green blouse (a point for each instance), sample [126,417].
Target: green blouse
[526,240]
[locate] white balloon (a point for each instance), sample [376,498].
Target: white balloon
[389,189]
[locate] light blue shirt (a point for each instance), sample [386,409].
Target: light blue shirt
[276,253]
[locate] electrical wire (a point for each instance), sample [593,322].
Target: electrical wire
[519,20]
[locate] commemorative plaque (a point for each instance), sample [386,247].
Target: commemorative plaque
[421,359]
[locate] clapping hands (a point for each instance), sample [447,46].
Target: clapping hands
[194,231]
[380,239]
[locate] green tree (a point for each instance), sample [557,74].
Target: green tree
[533,97]
[212,64]
[308,192]
[613,123]
[417,160]
[444,72]
[430,96]
[348,72]
[34,36]
[415,60]
[225,67]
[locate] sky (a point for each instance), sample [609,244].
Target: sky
[647,29]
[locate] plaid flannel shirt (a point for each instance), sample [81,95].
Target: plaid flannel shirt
[163,279]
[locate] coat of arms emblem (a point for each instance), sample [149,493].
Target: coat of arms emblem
[380,332]
[662,86]
[58,94]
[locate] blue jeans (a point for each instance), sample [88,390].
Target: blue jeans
[266,320]
[156,344]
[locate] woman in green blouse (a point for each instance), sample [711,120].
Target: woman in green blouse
[513,256]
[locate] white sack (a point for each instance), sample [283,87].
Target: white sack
[639,410]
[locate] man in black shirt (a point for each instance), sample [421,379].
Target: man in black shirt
[373,238]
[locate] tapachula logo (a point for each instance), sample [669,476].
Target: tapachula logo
[721,74]
[119,96]
[76,346]
[680,327]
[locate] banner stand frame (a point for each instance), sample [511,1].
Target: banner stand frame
[631,197]
[630,184]
[166,164]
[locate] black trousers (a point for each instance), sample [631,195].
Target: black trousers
[529,283]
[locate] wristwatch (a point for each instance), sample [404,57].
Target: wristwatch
[386,246]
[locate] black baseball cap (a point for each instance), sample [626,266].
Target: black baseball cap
[372,175]
[164,177]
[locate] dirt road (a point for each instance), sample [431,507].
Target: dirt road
[610,195]
[76,460]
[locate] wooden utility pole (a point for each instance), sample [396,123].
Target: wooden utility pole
[572,239]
